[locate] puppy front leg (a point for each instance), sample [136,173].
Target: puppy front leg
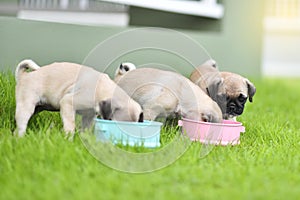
[233,119]
[67,114]
[87,119]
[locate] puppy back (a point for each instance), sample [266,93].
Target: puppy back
[25,65]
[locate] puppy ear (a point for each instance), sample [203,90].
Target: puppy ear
[251,90]
[213,85]
[105,109]
[213,63]
[124,68]
[141,117]
[121,66]
[206,117]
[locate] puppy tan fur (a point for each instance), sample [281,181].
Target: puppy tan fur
[165,93]
[228,89]
[69,87]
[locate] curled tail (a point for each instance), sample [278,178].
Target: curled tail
[25,65]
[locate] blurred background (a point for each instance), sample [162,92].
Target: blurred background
[254,38]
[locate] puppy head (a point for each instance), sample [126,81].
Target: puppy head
[206,113]
[236,91]
[209,79]
[212,114]
[123,68]
[229,90]
[210,63]
[113,109]
[201,107]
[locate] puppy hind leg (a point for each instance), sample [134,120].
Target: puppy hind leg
[67,113]
[22,116]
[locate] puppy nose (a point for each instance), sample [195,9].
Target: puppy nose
[232,107]
[231,104]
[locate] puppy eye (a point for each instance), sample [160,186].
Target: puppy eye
[242,98]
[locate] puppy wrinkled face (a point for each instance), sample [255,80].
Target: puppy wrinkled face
[235,106]
[231,106]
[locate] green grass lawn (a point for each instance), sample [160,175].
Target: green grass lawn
[266,165]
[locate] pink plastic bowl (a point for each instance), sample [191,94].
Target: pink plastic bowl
[226,133]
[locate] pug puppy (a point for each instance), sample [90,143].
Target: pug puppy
[69,88]
[228,89]
[165,93]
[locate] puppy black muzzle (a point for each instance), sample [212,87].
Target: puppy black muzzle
[235,108]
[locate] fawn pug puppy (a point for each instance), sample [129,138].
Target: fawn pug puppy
[69,87]
[165,93]
[228,89]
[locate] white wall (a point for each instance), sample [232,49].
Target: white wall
[281,44]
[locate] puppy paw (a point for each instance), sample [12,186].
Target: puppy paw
[16,133]
[69,136]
